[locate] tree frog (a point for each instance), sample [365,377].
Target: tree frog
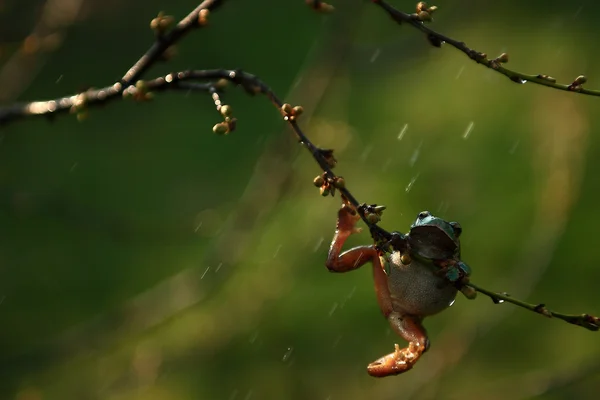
[418,278]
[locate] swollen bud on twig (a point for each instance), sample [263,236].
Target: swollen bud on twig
[424,12]
[297,111]
[203,17]
[320,6]
[225,110]
[291,113]
[580,80]
[372,218]
[339,182]
[424,16]
[547,78]
[221,128]
[286,109]
[79,107]
[576,85]
[373,213]
[319,181]
[221,83]
[502,58]
[161,23]
[140,91]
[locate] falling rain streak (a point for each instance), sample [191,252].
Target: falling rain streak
[411,183]
[402,132]
[513,149]
[468,130]
[333,308]
[415,155]
[287,354]
[375,55]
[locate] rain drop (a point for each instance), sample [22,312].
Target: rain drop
[411,183]
[415,155]
[365,153]
[202,277]
[287,354]
[402,132]
[375,55]
[460,71]
[333,308]
[218,267]
[276,251]
[253,337]
[514,147]
[468,130]
[318,244]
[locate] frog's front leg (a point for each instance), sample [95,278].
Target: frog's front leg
[357,256]
[401,360]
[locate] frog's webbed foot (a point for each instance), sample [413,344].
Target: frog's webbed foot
[401,360]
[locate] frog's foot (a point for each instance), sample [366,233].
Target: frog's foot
[401,360]
[347,219]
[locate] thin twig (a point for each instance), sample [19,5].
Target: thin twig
[163,42]
[585,320]
[417,21]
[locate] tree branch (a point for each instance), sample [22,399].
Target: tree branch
[212,82]
[585,320]
[423,14]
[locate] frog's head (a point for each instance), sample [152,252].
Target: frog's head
[434,238]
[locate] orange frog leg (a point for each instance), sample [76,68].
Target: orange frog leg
[407,326]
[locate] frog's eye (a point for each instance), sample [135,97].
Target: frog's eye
[424,214]
[457,228]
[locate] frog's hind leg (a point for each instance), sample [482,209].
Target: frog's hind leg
[401,360]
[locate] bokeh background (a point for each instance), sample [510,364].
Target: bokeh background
[143,257]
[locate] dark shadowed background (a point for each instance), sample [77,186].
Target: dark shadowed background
[143,257]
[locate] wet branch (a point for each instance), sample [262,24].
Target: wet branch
[424,14]
[585,320]
[166,36]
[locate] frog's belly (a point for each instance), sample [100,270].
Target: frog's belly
[416,290]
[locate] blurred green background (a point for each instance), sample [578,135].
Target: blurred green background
[142,257]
